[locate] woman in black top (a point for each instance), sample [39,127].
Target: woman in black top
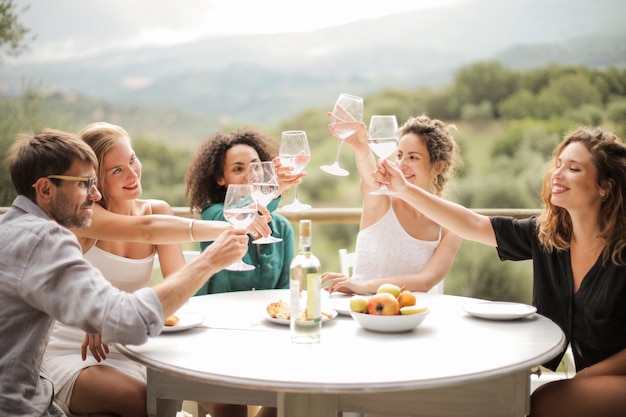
[578,249]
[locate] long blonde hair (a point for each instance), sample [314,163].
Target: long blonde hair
[609,157]
[102,137]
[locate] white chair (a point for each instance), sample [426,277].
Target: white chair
[348,259]
[346,262]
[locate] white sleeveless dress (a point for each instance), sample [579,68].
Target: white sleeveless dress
[62,359]
[385,249]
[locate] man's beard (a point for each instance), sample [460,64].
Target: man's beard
[62,214]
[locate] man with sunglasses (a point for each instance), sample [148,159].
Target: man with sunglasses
[43,275]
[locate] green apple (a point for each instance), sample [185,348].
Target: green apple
[358,304]
[389,288]
[412,310]
[383,304]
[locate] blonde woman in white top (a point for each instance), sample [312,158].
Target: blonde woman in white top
[125,234]
[396,243]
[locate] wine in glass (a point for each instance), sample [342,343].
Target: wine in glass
[294,152]
[240,208]
[262,177]
[347,108]
[383,141]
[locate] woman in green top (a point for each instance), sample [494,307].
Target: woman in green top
[223,159]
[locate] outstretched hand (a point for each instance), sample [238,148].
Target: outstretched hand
[259,226]
[389,174]
[286,177]
[356,140]
[229,247]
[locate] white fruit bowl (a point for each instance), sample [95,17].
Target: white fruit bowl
[389,324]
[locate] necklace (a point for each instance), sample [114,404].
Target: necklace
[587,251]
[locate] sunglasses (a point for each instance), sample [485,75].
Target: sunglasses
[89,181]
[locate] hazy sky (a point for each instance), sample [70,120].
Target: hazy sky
[72,28]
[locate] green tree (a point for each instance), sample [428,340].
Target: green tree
[19,114]
[484,82]
[575,90]
[13,40]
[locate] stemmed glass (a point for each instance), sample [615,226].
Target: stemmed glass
[240,208]
[383,141]
[262,177]
[294,152]
[347,108]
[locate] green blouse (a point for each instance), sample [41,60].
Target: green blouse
[271,260]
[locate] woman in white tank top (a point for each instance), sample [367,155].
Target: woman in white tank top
[98,379]
[396,243]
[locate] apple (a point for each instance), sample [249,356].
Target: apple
[412,310]
[383,304]
[358,304]
[406,298]
[389,288]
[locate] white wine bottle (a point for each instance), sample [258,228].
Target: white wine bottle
[305,284]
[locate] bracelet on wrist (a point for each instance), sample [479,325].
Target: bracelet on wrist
[193,239]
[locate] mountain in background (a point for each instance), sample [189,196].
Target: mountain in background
[267,78]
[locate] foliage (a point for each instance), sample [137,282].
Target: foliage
[12,33]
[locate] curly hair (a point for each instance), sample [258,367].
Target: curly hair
[608,154]
[207,167]
[441,146]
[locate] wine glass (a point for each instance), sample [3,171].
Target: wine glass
[347,108]
[294,152]
[262,177]
[239,209]
[383,141]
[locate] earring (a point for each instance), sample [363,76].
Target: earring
[606,196]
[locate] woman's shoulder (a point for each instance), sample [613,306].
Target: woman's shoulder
[213,211]
[154,207]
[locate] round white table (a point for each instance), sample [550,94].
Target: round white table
[452,365]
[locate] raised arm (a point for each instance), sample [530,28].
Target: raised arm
[460,220]
[229,247]
[374,207]
[154,228]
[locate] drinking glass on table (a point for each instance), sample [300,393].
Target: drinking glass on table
[383,141]
[240,208]
[294,152]
[347,108]
[262,176]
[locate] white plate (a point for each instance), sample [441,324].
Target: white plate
[338,301]
[187,321]
[499,310]
[332,313]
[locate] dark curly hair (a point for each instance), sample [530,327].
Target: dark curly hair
[208,165]
[440,144]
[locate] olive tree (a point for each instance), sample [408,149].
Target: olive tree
[13,39]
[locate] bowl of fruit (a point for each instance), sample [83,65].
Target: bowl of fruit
[390,310]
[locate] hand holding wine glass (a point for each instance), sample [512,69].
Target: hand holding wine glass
[262,176]
[347,108]
[383,141]
[295,153]
[240,209]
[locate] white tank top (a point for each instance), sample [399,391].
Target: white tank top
[126,274]
[385,249]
